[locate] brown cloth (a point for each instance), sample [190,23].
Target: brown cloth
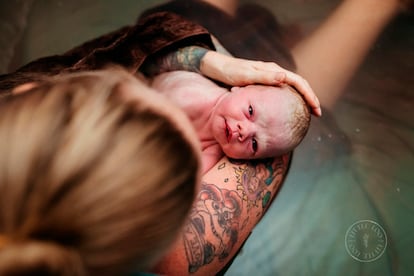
[128,47]
[253,33]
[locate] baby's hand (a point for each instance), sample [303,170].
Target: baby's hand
[241,72]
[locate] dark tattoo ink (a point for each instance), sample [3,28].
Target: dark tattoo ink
[216,215]
[219,217]
[222,166]
[187,59]
[254,181]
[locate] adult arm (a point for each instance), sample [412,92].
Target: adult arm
[330,56]
[155,33]
[340,44]
[230,70]
[239,72]
[232,199]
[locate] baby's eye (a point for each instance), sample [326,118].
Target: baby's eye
[254,145]
[250,110]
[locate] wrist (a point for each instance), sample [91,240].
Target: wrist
[219,67]
[211,65]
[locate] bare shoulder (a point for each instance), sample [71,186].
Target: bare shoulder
[232,199]
[211,154]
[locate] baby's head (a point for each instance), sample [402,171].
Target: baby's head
[294,118]
[258,121]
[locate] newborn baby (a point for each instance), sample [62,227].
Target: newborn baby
[254,121]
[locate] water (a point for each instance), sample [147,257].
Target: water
[355,164]
[336,185]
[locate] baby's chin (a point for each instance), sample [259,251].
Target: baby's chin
[234,155]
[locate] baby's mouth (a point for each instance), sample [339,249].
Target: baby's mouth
[228,132]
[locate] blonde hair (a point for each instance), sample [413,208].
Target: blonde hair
[88,183]
[300,118]
[296,119]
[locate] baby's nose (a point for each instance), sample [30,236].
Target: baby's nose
[244,131]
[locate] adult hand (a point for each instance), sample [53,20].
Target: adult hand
[241,72]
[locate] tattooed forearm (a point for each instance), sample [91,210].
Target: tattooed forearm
[187,59]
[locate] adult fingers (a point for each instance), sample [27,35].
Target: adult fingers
[272,74]
[305,89]
[267,73]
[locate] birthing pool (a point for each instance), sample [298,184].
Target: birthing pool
[353,171]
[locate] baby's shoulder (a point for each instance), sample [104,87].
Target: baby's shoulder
[210,155]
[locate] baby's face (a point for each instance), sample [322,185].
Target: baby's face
[250,122]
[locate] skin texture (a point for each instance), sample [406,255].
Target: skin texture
[209,259]
[255,119]
[263,177]
[233,195]
[231,71]
[352,26]
[250,122]
[232,199]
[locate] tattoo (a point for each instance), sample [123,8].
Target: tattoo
[187,59]
[217,216]
[253,182]
[222,166]
[223,213]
